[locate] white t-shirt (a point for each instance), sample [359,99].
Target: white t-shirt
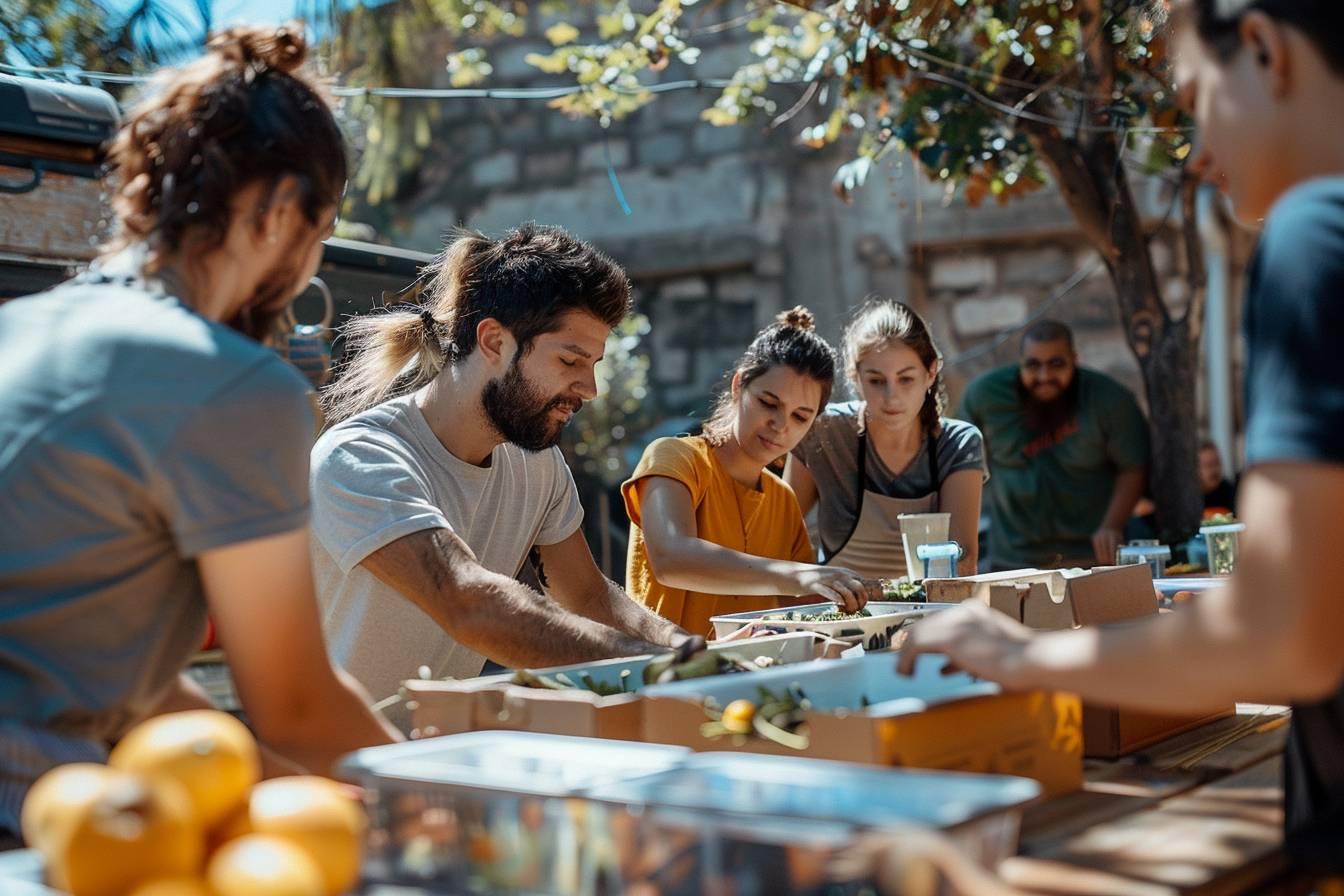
[382,475]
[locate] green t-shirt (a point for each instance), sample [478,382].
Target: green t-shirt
[1048,495]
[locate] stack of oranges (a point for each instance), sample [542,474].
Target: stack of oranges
[179,811]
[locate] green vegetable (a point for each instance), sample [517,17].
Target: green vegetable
[827,616]
[778,718]
[903,591]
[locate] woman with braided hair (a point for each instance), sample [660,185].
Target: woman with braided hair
[154,452]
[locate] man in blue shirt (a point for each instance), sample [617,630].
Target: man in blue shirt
[1262,79]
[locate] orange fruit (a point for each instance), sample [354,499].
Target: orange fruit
[102,834]
[318,816]
[173,886]
[209,753]
[54,796]
[737,716]
[236,825]
[262,865]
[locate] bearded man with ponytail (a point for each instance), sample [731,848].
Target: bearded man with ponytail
[442,475]
[154,451]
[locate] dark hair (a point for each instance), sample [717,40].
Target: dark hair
[1322,21]
[1048,331]
[527,280]
[882,322]
[240,114]
[791,341]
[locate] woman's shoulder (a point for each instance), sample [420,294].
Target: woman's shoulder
[839,418]
[959,442]
[678,446]
[959,432]
[678,455]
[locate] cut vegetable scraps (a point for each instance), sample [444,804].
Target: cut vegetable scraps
[825,616]
[661,670]
[781,719]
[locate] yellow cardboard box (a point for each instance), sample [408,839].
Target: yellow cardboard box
[864,712]
[1051,600]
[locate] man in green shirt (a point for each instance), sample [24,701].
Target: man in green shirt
[1068,454]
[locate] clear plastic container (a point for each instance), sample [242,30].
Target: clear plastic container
[1222,541]
[920,529]
[1156,555]
[497,812]
[775,824]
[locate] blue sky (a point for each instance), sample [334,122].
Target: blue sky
[225,11]
[228,12]
[184,27]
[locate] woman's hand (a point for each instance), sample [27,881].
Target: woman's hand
[843,587]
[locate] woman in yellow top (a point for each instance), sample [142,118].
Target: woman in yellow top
[713,530]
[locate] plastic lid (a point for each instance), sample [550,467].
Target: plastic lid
[801,788]
[514,761]
[1146,551]
[1222,529]
[938,549]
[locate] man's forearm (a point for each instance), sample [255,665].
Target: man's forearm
[187,695]
[1172,663]
[1125,495]
[621,611]
[332,720]
[515,626]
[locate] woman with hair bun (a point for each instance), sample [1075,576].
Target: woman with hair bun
[866,462]
[154,452]
[713,530]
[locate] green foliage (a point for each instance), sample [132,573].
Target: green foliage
[968,87]
[398,43]
[79,33]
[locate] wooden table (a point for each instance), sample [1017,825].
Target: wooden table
[1142,827]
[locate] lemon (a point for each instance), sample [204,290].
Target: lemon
[102,834]
[318,816]
[209,753]
[173,886]
[262,865]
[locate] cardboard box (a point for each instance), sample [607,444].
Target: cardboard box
[928,721]
[493,702]
[1052,600]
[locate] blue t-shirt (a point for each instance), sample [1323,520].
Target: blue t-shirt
[134,436]
[1295,396]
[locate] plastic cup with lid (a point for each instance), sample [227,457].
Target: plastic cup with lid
[1222,540]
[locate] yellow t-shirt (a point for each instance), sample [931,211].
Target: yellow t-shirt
[766,523]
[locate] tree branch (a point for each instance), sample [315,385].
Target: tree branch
[1097,49]
[1196,271]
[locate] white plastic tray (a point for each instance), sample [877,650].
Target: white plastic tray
[875,632]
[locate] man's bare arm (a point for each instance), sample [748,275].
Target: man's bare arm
[573,579]
[1271,636]
[490,613]
[1128,489]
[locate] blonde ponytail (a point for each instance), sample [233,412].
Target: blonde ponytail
[403,349]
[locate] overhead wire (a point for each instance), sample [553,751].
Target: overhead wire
[551,93]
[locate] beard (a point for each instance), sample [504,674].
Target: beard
[1046,418]
[264,315]
[521,413]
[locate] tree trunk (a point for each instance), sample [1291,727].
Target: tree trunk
[1095,187]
